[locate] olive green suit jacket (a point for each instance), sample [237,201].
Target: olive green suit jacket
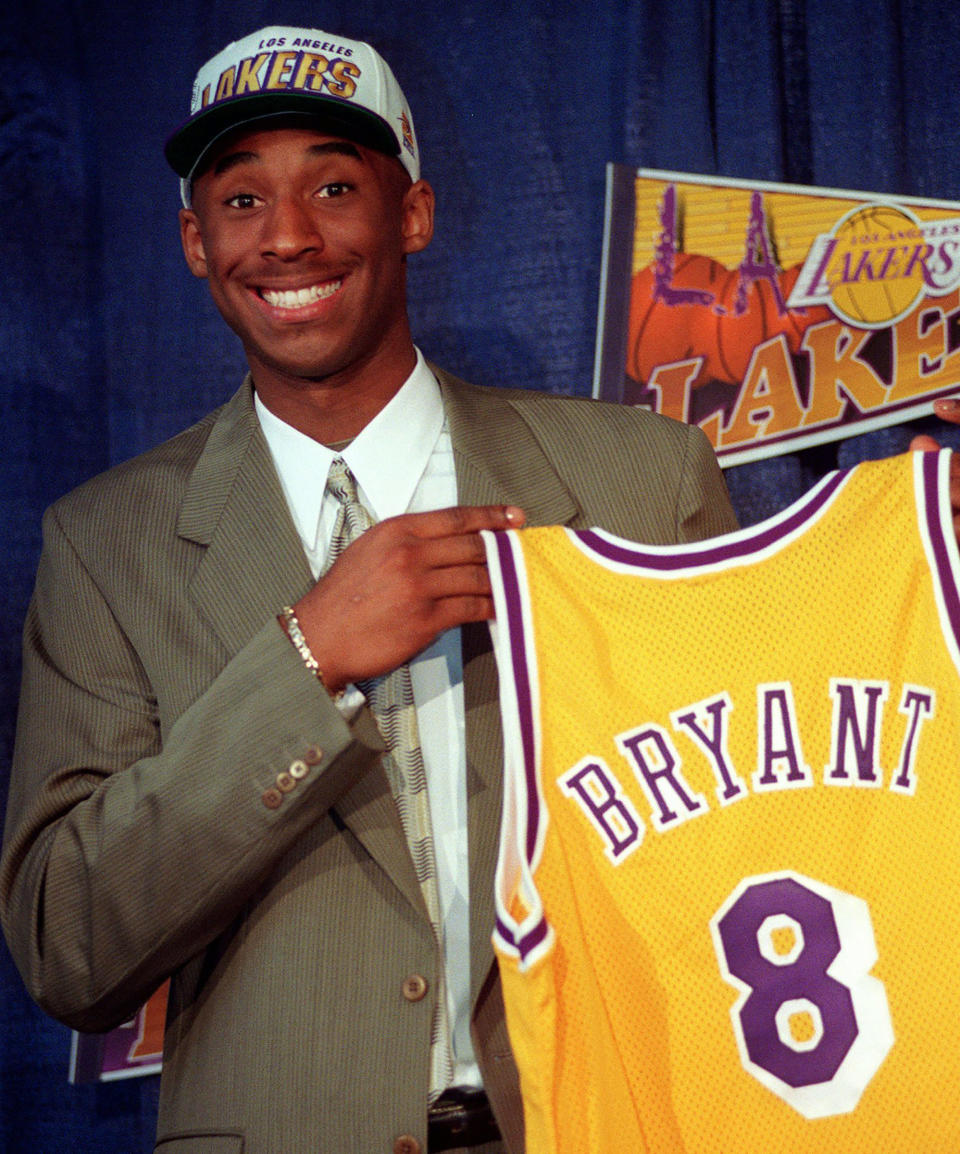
[154,827]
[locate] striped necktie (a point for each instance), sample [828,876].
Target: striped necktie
[391,699]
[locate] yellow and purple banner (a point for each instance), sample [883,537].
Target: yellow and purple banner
[776,316]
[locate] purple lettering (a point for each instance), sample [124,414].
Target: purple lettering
[816,291]
[864,268]
[758,262]
[919,257]
[656,764]
[592,785]
[777,740]
[706,722]
[918,705]
[940,279]
[666,251]
[884,271]
[857,714]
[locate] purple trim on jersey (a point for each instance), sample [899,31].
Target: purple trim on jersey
[526,944]
[521,680]
[505,932]
[510,583]
[729,548]
[944,573]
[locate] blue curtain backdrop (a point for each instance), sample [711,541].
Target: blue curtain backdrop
[107,345]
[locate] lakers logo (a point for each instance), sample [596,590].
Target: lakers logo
[406,131]
[877,263]
[273,71]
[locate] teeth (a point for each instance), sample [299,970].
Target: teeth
[297,298]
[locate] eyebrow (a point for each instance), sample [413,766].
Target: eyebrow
[327,148]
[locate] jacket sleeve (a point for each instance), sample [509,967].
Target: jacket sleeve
[125,855]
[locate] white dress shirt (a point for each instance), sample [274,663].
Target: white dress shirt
[403,463]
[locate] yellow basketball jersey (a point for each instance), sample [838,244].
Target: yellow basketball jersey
[728,892]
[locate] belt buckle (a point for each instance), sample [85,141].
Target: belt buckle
[460,1117]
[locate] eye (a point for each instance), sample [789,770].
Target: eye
[334,190]
[243,200]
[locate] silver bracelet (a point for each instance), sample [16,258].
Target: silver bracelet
[291,626]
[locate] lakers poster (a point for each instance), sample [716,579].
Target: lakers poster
[775,316]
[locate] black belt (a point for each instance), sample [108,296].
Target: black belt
[460,1117]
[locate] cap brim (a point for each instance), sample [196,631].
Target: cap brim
[186,147]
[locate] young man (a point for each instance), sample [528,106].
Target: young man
[207,784]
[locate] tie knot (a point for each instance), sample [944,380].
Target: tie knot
[342,483]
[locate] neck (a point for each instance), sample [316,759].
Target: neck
[337,407]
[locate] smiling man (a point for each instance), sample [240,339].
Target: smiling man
[259,746]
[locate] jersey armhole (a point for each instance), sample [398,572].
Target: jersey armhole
[521,930]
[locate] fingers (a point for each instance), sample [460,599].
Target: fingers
[456,581]
[441,552]
[449,612]
[459,520]
[443,546]
[438,568]
[948,409]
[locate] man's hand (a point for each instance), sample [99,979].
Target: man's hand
[398,586]
[947,410]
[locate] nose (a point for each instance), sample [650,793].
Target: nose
[289,230]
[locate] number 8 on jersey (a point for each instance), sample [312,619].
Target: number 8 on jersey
[811,1023]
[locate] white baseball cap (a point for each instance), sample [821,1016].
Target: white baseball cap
[280,71]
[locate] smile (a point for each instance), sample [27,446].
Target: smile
[299,298]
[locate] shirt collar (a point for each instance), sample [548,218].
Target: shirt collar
[388,456]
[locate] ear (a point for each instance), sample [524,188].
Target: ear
[192,240]
[418,206]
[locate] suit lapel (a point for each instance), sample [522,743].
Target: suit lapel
[253,564]
[235,507]
[498,461]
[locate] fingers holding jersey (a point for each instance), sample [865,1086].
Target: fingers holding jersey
[947,409]
[398,586]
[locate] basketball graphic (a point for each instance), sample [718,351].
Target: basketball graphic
[702,319]
[875,272]
[656,334]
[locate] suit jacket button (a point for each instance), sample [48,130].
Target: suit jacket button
[407,1144]
[415,988]
[272,798]
[299,768]
[285,782]
[313,755]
